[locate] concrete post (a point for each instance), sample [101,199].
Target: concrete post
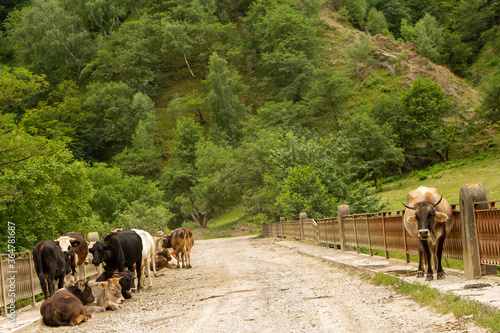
[302,218]
[341,211]
[469,194]
[282,220]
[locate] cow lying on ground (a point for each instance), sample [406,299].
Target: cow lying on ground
[181,240]
[78,253]
[119,250]
[108,294]
[430,218]
[126,280]
[50,264]
[66,307]
[164,260]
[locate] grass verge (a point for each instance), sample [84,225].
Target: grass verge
[483,314]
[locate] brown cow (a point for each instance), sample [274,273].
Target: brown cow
[181,241]
[77,253]
[430,218]
[66,307]
[108,294]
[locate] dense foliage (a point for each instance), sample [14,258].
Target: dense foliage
[149,113]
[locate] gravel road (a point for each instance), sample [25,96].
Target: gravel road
[251,284]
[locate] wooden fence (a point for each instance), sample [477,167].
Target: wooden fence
[384,231]
[18,279]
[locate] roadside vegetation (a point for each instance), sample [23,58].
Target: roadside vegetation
[483,314]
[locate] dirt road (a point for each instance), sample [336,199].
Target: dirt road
[250,284]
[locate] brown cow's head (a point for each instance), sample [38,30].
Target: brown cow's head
[426,217]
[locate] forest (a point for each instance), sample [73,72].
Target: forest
[150,113]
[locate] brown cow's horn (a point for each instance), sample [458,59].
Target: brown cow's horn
[407,206]
[437,203]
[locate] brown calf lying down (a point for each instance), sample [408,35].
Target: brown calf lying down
[66,307]
[108,294]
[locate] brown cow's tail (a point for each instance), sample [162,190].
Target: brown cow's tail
[184,236]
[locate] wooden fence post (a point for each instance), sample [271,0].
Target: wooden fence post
[302,218]
[341,211]
[271,227]
[282,221]
[469,194]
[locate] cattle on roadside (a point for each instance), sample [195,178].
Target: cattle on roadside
[163,259]
[430,218]
[158,240]
[148,253]
[108,295]
[66,307]
[92,237]
[119,250]
[181,240]
[126,280]
[78,253]
[50,264]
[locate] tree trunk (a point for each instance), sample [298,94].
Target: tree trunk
[202,219]
[441,156]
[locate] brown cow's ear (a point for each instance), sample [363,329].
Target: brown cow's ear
[81,285]
[103,285]
[412,219]
[75,243]
[441,217]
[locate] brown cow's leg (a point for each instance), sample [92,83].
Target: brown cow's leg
[440,272]
[420,271]
[430,274]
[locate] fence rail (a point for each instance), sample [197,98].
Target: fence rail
[384,231]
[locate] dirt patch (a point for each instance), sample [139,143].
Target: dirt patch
[250,284]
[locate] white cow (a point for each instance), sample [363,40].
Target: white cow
[148,253]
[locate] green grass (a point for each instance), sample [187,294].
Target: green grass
[230,224]
[448,177]
[484,315]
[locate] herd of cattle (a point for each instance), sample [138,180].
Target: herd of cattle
[428,216]
[64,260]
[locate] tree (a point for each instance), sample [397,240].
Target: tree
[490,106]
[17,146]
[369,148]
[394,11]
[114,193]
[303,191]
[356,11]
[215,189]
[178,181]
[143,158]
[186,137]
[424,106]
[45,196]
[429,38]
[104,15]
[290,71]
[225,106]
[48,39]
[376,22]
[329,94]
[61,116]
[407,30]
[17,82]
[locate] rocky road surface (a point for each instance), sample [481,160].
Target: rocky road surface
[251,284]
